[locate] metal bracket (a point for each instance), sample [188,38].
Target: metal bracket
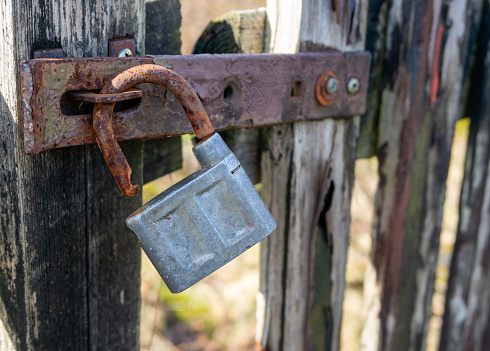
[236,90]
[124,47]
[48,53]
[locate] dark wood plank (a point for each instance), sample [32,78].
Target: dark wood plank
[161,156]
[66,254]
[375,43]
[163,20]
[429,50]
[467,312]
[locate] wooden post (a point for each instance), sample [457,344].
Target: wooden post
[69,267]
[467,312]
[240,32]
[162,37]
[307,174]
[375,43]
[429,54]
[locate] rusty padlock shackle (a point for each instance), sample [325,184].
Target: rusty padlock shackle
[102,118]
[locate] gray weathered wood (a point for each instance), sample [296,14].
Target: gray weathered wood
[163,20]
[307,170]
[467,312]
[415,136]
[69,267]
[238,32]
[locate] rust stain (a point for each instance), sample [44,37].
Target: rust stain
[107,98]
[397,225]
[434,87]
[102,117]
[323,97]
[256,102]
[117,44]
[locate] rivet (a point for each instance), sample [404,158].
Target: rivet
[327,88]
[125,53]
[332,85]
[353,86]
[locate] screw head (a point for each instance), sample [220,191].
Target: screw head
[125,53]
[353,86]
[332,85]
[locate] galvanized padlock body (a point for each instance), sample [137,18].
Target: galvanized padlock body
[204,221]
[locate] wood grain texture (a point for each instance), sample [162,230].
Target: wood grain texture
[234,32]
[467,311]
[163,20]
[160,157]
[238,32]
[376,44]
[162,23]
[421,100]
[307,170]
[69,267]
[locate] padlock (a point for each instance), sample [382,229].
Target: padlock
[203,222]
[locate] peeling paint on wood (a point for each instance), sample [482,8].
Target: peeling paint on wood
[414,144]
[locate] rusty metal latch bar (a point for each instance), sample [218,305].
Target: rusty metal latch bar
[102,118]
[101,98]
[236,91]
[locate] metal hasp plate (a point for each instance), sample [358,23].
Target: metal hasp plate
[204,221]
[236,91]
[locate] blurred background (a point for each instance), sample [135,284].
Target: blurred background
[219,312]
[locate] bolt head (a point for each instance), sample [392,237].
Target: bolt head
[125,53]
[332,85]
[353,86]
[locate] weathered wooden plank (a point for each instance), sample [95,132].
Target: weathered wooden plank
[307,173]
[429,46]
[69,267]
[238,32]
[160,157]
[375,43]
[467,312]
[234,32]
[163,20]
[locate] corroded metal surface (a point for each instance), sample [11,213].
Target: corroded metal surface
[102,117]
[116,45]
[48,53]
[322,95]
[107,98]
[236,91]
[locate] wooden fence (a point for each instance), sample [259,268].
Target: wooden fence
[69,268]
[427,69]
